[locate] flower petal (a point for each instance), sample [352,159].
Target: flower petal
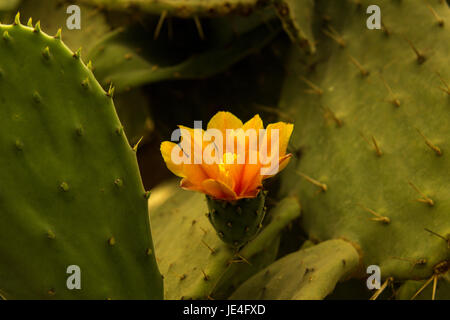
[166,151]
[254,123]
[218,190]
[224,174]
[250,194]
[282,163]
[195,173]
[251,177]
[284,133]
[197,148]
[188,185]
[224,120]
[195,142]
[228,180]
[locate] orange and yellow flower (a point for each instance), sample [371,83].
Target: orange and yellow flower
[227,178]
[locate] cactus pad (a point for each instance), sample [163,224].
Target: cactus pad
[71,193]
[297,16]
[182,8]
[195,263]
[372,122]
[308,274]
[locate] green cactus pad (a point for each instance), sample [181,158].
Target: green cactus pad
[239,221]
[195,263]
[182,8]
[71,193]
[297,16]
[410,289]
[308,274]
[373,126]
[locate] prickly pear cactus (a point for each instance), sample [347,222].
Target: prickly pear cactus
[205,267]
[71,193]
[182,8]
[308,274]
[372,121]
[237,223]
[297,16]
[423,289]
[369,164]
